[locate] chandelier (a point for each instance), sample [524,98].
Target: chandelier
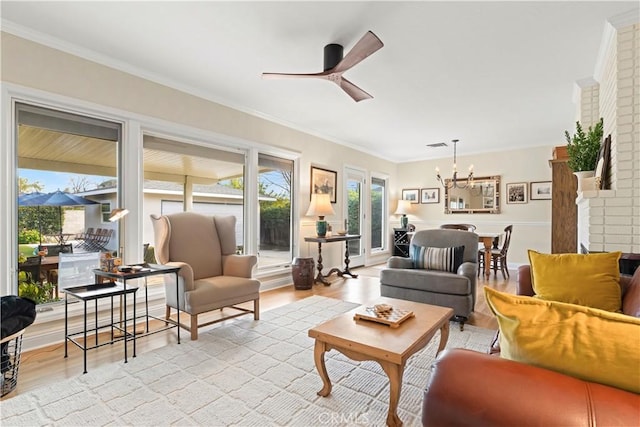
[455,182]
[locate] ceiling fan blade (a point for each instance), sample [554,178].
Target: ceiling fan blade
[353,91]
[368,44]
[323,75]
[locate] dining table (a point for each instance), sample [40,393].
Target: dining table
[61,238]
[47,265]
[487,240]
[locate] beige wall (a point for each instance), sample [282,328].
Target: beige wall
[32,65]
[531,221]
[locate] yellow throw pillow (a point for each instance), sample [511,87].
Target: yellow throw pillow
[585,279]
[586,343]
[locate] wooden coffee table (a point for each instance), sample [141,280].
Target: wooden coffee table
[390,347]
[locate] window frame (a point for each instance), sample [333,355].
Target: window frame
[384,212]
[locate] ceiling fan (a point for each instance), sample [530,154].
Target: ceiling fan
[335,65]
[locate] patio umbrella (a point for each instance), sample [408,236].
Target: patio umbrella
[57,198]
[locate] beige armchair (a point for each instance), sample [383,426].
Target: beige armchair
[212,276]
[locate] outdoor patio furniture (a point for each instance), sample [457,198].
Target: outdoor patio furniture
[60,238]
[77,269]
[102,239]
[84,234]
[58,199]
[54,250]
[95,241]
[31,268]
[84,237]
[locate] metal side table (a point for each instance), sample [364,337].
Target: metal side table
[95,292]
[143,271]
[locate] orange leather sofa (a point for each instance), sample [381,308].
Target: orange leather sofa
[468,388]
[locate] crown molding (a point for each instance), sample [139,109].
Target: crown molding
[90,55]
[625,19]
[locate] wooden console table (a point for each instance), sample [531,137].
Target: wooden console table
[328,239]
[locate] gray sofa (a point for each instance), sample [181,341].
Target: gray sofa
[401,279]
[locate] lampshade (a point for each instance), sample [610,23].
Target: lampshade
[320,205]
[404,207]
[117,214]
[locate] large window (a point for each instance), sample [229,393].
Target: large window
[67,172]
[275,184]
[378,213]
[355,215]
[181,176]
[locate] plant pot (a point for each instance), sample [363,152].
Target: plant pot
[581,177]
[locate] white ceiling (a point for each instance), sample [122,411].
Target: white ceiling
[495,75]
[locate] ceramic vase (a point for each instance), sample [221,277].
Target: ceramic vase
[581,176]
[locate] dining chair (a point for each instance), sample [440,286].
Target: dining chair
[84,238]
[498,255]
[31,268]
[55,250]
[464,227]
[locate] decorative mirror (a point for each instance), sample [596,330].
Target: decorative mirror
[482,196]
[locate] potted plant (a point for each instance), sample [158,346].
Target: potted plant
[583,150]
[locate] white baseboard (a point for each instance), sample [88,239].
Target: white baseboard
[48,329]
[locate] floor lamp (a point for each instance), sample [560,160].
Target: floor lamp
[116,215]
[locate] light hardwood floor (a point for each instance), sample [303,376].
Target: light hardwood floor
[47,365]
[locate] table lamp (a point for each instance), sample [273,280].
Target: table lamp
[320,206]
[116,215]
[404,207]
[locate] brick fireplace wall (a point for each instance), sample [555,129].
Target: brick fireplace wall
[609,220]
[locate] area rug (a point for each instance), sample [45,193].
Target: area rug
[247,373]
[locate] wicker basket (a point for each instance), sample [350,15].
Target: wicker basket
[11,347]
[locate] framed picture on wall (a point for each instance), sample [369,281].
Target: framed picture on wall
[430,195]
[540,190]
[324,181]
[412,195]
[517,192]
